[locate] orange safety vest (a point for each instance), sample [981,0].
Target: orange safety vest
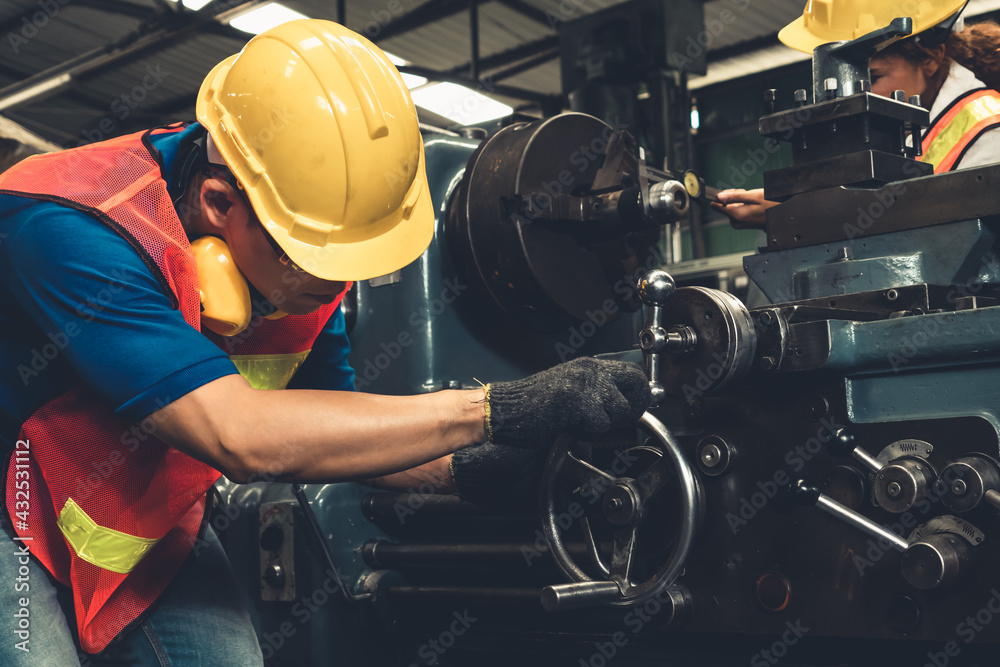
[954,131]
[109,509]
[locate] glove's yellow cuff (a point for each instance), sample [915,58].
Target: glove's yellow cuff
[486,417]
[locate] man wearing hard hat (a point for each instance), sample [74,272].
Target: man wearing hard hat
[157,286]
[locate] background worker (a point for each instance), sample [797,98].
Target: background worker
[183,274]
[954,68]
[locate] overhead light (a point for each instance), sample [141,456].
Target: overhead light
[194,5]
[460,104]
[264,17]
[411,80]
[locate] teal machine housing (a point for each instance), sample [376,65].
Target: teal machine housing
[844,439]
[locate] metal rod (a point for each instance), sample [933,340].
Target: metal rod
[494,593]
[342,12]
[474,38]
[382,555]
[993,498]
[832,507]
[580,594]
[872,464]
[379,507]
[317,533]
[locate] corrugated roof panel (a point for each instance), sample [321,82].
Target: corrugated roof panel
[544,78]
[729,22]
[443,44]
[446,44]
[70,33]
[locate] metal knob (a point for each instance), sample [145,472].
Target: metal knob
[903,484]
[656,287]
[936,561]
[274,576]
[964,482]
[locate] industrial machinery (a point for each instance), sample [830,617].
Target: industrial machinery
[818,482]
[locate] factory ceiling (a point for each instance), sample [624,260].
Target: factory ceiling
[78,71]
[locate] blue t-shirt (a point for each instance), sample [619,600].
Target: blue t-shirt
[78,303]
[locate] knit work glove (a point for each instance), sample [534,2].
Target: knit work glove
[583,397]
[498,477]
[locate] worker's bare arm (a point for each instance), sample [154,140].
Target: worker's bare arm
[431,477]
[304,435]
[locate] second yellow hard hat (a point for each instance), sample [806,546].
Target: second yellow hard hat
[825,21]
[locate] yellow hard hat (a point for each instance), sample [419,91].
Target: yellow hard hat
[320,131]
[825,21]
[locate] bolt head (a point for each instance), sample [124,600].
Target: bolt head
[893,489]
[711,456]
[959,487]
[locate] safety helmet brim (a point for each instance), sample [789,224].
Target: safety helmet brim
[318,128]
[803,35]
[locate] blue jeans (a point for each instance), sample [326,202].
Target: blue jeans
[200,619]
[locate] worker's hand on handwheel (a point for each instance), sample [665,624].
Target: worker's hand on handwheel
[583,397]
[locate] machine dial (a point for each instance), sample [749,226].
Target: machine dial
[966,482]
[903,484]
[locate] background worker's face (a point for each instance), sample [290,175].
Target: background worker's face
[892,72]
[290,289]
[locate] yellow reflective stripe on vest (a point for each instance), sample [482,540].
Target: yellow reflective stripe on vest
[971,114]
[269,371]
[106,548]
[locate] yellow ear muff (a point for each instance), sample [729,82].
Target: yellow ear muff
[225,295]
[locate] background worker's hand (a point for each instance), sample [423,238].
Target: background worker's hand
[744,208]
[583,397]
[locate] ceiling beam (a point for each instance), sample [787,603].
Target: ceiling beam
[483,84]
[530,11]
[429,12]
[171,29]
[509,56]
[526,65]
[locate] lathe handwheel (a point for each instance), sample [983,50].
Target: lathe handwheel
[624,500]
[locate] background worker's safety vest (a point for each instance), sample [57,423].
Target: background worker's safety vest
[113,511]
[954,131]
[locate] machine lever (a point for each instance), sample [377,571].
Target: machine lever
[806,494]
[993,498]
[580,594]
[844,444]
[655,289]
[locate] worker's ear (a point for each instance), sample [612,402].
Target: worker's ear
[218,200]
[931,66]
